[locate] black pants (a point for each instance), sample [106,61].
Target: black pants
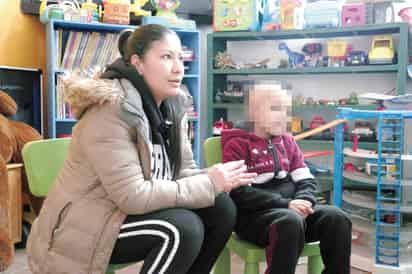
[287,232]
[176,241]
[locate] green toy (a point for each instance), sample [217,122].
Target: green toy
[166,8]
[229,15]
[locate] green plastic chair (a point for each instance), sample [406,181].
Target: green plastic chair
[250,253]
[43,160]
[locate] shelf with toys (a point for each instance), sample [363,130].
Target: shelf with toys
[225,66]
[318,70]
[72,46]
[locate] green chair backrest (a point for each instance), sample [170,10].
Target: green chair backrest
[43,160]
[212,151]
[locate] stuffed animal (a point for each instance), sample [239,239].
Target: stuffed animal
[13,136]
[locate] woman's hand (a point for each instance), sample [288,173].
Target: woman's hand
[230,175]
[303,207]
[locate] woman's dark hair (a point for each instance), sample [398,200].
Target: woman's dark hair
[142,39]
[139,42]
[122,43]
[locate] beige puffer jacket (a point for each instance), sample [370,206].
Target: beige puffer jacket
[106,176]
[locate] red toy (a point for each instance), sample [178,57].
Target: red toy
[355,142]
[316,121]
[219,125]
[354,14]
[349,167]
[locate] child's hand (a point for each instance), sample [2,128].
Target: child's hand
[303,207]
[230,175]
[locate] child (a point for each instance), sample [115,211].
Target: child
[278,211]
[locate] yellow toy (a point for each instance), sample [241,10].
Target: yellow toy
[382,50]
[90,11]
[136,8]
[296,126]
[337,48]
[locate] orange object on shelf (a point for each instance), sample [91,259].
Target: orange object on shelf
[116,12]
[287,13]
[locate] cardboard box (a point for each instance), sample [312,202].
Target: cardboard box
[116,14]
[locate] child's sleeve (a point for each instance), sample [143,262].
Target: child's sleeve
[248,198]
[301,175]
[234,150]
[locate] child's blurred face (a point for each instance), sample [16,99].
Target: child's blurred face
[269,111]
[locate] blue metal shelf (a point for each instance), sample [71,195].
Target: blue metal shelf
[66,120]
[191,76]
[89,26]
[386,207]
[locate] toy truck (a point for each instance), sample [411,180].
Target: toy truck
[382,50]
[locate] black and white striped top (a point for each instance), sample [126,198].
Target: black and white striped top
[160,164]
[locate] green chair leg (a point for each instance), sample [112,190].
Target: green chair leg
[111,269]
[315,264]
[251,268]
[222,265]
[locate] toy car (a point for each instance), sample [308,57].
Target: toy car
[363,128]
[356,58]
[382,50]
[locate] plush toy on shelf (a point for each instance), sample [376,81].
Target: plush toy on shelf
[137,8]
[166,15]
[223,60]
[166,8]
[13,136]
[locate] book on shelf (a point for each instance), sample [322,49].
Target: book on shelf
[81,50]
[189,103]
[63,109]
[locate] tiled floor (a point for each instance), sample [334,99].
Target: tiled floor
[20,266]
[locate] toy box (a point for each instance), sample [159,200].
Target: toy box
[321,14]
[290,15]
[383,12]
[271,19]
[354,14]
[116,13]
[236,15]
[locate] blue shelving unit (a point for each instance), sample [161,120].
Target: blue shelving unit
[390,153]
[60,127]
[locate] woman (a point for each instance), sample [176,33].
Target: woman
[129,189]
